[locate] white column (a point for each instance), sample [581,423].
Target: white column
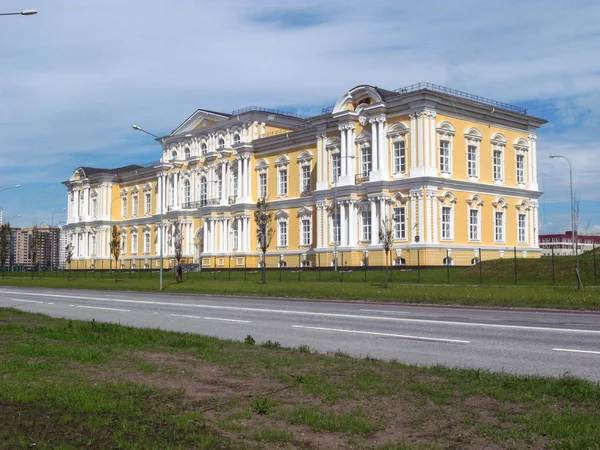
[247,234]
[433,160]
[76,206]
[383,147]
[343,226]
[223,183]
[413,215]
[344,151]
[421,218]
[374,148]
[532,163]
[204,238]
[420,147]
[351,160]
[374,222]
[426,141]
[381,141]
[240,179]
[413,142]
[352,222]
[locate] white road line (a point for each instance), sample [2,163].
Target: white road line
[99,307]
[387,311]
[316,314]
[575,351]
[209,318]
[27,301]
[373,333]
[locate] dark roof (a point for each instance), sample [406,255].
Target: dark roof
[94,170]
[386,93]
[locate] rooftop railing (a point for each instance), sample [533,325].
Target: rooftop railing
[268,110]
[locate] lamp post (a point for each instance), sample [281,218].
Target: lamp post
[52,239]
[11,187]
[26,12]
[573,232]
[160,277]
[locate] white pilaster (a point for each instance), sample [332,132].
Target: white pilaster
[413,143]
[374,222]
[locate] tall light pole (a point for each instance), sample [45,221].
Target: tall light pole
[162,194]
[573,231]
[52,239]
[26,12]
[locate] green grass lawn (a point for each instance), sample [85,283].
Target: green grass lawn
[69,385]
[491,284]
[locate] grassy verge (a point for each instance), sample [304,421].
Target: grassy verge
[67,384]
[351,289]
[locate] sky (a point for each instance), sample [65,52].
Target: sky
[75,77]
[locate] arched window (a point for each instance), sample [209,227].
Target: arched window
[221,143]
[187,153]
[204,148]
[236,138]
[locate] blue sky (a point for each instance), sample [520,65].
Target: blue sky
[75,77]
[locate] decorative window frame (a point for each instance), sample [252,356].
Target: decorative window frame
[521,149]
[234,187]
[124,206]
[94,203]
[398,132]
[500,205]
[364,209]
[305,214]
[135,202]
[221,142]
[236,133]
[282,164]
[134,234]
[203,147]
[147,199]
[147,238]
[262,167]
[303,160]
[473,137]
[447,200]
[523,208]
[123,241]
[445,132]
[282,217]
[400,201]
[475,204]
[187,152]
[498,144]
[334,212]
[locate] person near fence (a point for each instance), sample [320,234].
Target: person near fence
[178,273]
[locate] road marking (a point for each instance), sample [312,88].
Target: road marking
[373,333]
[99,307]
[385,311]
[209,318]
[314,314]
[591,352]
[27,301]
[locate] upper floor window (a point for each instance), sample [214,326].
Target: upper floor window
[472,161]
[94,207]
[147,204]
[520,169]
[124,207]
[204,148]
[234,182]
[93,244]
[498,165]
[135,205]
[283,181]
[187,191]
[399,157]
[522,228]
[221,143]
[305,178]
[445,135]
[366,161]
[366,225]
[262,184]
[336,166]
[187,152]
[203,192]
[444,156]
[236,138]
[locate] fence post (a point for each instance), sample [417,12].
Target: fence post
[245,266]
[366,267]
[280,270]
[447,266]
[480,267]
[319,264]
[553,268]
[594,253]
[515,259]
[418,266]
[341,268]
[389,260]
[215,268]
[229,271]
[299,267]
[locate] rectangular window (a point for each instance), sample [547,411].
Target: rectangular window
[522,228]
[399,157]
[283,237]
[399,219]
[444,156]
[262,185]
[234,184]
[134,243]
[306,231]
[135,205]
[336,167]
[93,244]
[236,240]
[472,161]
[366,162]
[305,178]
[94,207]
[124,207]
[499,226]
[366,225]
[203,192]
[446,222]
[123,244]
[147,203]
[473,224]
[283,182]
[497,165]
[146,242]
[219,184]
[336,229]
[520,169]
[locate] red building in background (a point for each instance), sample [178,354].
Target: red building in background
[563,243]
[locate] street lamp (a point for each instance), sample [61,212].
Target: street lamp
[11,187]
[26,12]
[162,194]
[573,232]
[52,236]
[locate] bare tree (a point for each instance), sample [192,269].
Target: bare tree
[263,218]
[35,248]
[178,247]
[386,237]
[4,245]
[115,246]
[69,257]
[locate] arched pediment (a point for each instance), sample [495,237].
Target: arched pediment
[499,138]
[281,214]
[473,133]
[357,96]
[304,156]
[304,211]
[445,127]
[447,196]
[262,164]
[282,160]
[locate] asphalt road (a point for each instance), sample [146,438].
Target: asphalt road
[548,343]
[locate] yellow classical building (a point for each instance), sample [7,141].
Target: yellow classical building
[452,175]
